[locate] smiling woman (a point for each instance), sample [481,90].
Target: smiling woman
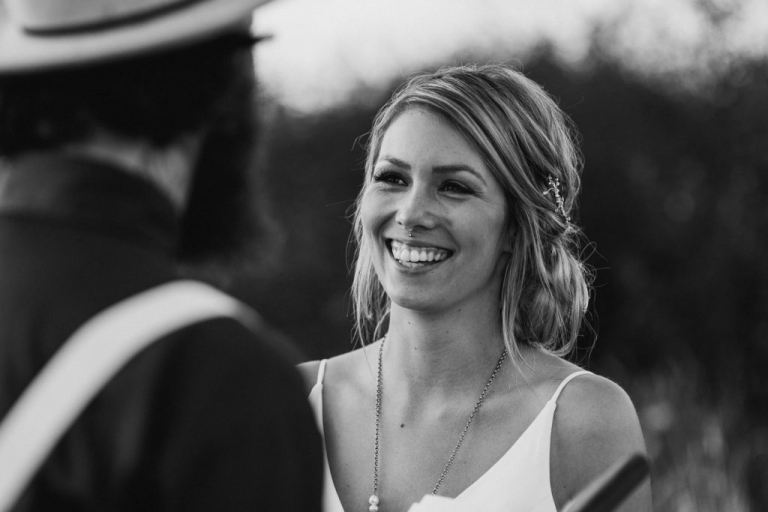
[431,195]
[468,296]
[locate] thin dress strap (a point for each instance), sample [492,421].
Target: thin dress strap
[566,381]
[321,372]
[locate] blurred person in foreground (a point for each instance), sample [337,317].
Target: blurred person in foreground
[126,132]
[469,293]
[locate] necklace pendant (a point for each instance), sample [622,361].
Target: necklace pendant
[373,501]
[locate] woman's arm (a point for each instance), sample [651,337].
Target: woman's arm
[595,425]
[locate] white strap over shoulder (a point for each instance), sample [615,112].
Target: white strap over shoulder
[321,372]
[87,361]
[566,381]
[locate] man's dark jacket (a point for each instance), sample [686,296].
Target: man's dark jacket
[212,417]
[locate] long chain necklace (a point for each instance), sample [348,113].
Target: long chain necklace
[374,501]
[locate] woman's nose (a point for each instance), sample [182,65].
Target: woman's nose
[416,209]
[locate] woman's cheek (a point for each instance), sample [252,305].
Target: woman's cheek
[371,211]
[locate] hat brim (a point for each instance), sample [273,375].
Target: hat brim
[23,52]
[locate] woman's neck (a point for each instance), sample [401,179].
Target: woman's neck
[442,353]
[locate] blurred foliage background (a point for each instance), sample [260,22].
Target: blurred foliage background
[675,207]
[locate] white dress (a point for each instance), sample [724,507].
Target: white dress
[518,481]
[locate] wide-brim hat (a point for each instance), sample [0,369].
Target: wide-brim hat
[40,35]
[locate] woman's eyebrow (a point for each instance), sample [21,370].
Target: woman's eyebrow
[458,168]
[395,161]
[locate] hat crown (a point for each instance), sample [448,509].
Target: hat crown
[38,35]
[57,15]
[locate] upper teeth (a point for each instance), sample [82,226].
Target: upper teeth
[404,252]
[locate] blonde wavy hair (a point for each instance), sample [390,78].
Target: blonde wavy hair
[524,139]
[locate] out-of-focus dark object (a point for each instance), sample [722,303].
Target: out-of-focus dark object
[756,478]
[212,416]
[611,488]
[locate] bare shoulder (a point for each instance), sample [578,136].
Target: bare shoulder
[591,404]
[352,368]
[347,368]
[595,425]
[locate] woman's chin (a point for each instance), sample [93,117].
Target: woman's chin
[422,303]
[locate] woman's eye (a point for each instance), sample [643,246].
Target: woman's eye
[456,188]
[389,178]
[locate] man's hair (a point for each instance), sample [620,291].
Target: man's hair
[156,98]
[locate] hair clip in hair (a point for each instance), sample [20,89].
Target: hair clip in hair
[554,187]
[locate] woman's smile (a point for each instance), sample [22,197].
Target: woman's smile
[412,255]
